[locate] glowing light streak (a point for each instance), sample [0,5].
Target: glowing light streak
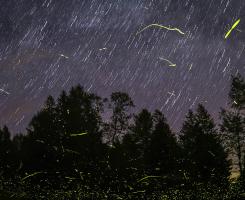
[234,26]
[79,134]
[147,177]
[162,27]
[170,63]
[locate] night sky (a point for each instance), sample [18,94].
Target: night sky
[47,46]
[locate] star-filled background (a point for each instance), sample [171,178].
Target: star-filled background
[47,46]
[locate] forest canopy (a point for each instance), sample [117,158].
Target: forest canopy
[70,152]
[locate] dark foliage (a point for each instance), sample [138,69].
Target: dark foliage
[204,157]
[63,154]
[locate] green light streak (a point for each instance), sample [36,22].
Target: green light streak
[142,191]
[71,151]
[79,134]
[30,175]
[234,26]
[161,26]
[147,177]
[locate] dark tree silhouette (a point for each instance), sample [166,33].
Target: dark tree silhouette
[18,146]
[53,143]
[233,122]
[39,146]
[63,151]
[142,129]
[162,153]
[233,134]
[205,158]
[237,92]
[7,153]
[120,103]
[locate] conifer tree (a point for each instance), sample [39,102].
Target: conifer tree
[205,159]
[162,153]
[233,123]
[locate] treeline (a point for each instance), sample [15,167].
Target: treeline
[69,152]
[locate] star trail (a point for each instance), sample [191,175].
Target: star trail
[47,46]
